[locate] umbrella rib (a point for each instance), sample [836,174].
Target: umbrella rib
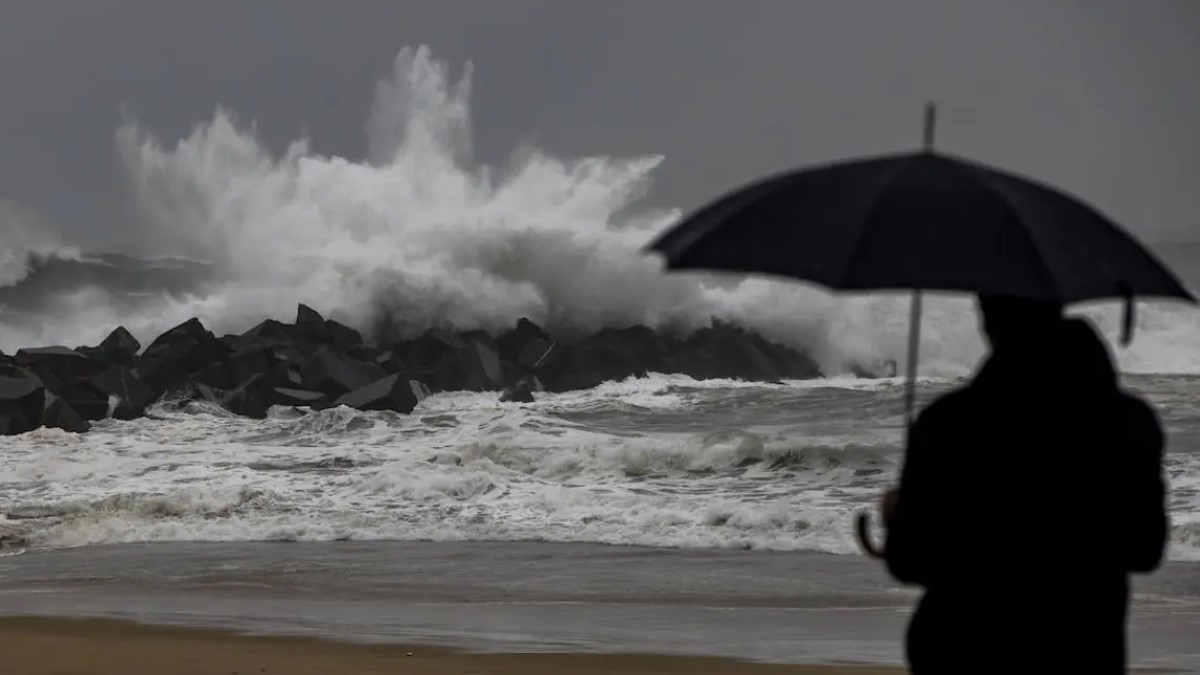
[888,180]
[1015,214]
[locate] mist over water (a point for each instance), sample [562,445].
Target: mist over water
[419,234]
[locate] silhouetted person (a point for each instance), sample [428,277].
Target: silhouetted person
[1026,500]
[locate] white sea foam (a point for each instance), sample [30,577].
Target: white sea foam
[659,462]
[458,468]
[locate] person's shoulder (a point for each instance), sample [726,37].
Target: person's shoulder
[946,409]
[1136,412]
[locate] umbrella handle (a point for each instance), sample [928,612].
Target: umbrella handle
[863,527]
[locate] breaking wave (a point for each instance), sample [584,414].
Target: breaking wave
[659,461]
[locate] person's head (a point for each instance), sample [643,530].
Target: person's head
[1008,318]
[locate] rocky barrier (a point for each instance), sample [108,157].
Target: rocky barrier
[318,363]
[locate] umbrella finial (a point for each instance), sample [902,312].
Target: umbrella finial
[930,123]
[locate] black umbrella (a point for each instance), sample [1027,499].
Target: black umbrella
[920,221]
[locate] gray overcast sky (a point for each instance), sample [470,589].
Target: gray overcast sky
[1099,96]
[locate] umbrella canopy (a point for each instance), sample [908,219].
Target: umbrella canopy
[919,221]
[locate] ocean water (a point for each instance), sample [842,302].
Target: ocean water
[418,234]
[660,461]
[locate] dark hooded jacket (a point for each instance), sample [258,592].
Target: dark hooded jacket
[1026,499]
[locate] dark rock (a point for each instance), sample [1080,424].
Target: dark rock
[246,364]
[723,350]
[310,326]
[202,392]
[132,394]
[269,333]
[563,374]
[795,365]
[363,352]
[15,389]
[587,365]
[735,353]
[432,359]
[752,360]
[479,363]
[22,401]
[291,376]
[335,375]
[216,375]
[283,375]
[85,399]
[727,351]
[15,422]
[56,366]
[517,392]
[535,354]
[120,347]
[26,356]
[289,355]
[316,361]
[276,364]
[719,351]
[252,398]
[428,350]
[229,343]
[192,329]
[391,363]
[177,353]
[299,397]
[341,337]
[447,362]
[58,414]
[512,344]
[608,355]
[649,350]
[10,369]
[281,364]
[390,393]
[94,354]
[512,373]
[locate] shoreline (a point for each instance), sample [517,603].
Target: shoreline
[70,646]
[487,602]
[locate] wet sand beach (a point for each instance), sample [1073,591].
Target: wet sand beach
[478,607]
[104,647]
